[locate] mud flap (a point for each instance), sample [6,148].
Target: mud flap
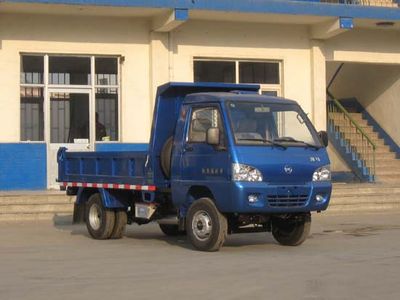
[79,213]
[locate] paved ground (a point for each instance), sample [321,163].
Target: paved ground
[347,257]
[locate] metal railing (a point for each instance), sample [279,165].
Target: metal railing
[350,131]
[380,3]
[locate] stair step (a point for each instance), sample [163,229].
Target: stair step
[363,188]
[379,151]
[32,216]
[389,172]
[385,164]
[42,205]
[385,158]
[35,208]
[363,207]
[352,134]
[356,140]
[377,198]
[340,118]
[388,179]
[346,124]
[36,200]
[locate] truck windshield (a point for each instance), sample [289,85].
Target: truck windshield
[283,125]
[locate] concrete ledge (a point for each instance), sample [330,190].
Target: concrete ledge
[346,199]
[34,217]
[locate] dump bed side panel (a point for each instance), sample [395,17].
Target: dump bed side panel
[102,167]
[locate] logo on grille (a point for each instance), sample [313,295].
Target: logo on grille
[288,169]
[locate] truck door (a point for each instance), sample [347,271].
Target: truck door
[201,163]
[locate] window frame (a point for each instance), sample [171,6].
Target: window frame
[298,109]
[278,88]
[190,116]
[92,88]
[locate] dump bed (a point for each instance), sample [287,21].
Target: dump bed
[122,168]
[137,168]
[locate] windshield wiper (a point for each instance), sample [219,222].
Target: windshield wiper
[292,140]
[251,139]
[272,142]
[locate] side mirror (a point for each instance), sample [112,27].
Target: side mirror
[213,136]
[324,138]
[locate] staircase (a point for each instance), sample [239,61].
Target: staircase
[369,157]
[32,206]
[352,142]
[387,166]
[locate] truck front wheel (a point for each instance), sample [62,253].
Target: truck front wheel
[206,227]
[291,231]
[99,220]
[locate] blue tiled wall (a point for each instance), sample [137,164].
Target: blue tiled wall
[23,166]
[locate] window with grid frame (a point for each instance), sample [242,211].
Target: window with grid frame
[32,98]
[266,73]
[66,71]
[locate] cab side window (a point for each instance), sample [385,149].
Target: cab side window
[201,120]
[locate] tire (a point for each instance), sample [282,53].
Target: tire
[121,219]
[206,227]
[291,232]
[99,220]
[171,230]
[165,158]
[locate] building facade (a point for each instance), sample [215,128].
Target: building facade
[83,74]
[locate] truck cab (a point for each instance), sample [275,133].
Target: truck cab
[222,159]
[252,153]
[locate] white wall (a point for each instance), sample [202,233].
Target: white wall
[77,35]
[374,85]
[365,45]
[287,43]
[337,163]
[148,61]
[152,59]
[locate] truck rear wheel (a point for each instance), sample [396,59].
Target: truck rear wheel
[99,220]
[291,231]
[206,227]
[121,219]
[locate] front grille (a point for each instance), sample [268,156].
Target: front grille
[287,200]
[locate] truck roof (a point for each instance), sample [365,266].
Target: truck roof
[235,96]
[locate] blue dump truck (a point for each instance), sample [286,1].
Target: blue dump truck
[222,159]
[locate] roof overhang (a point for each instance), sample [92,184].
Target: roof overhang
[286,7]
[325,20]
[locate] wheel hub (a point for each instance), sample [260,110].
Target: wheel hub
[202,225]
[95,217]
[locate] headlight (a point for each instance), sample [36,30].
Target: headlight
[245,173]
[322,174]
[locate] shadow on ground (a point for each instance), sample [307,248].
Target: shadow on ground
[152,232]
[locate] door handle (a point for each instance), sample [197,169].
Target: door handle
[187,149]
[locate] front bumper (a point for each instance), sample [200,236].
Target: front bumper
[285,198]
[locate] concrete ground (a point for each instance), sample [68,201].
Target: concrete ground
[347,257]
